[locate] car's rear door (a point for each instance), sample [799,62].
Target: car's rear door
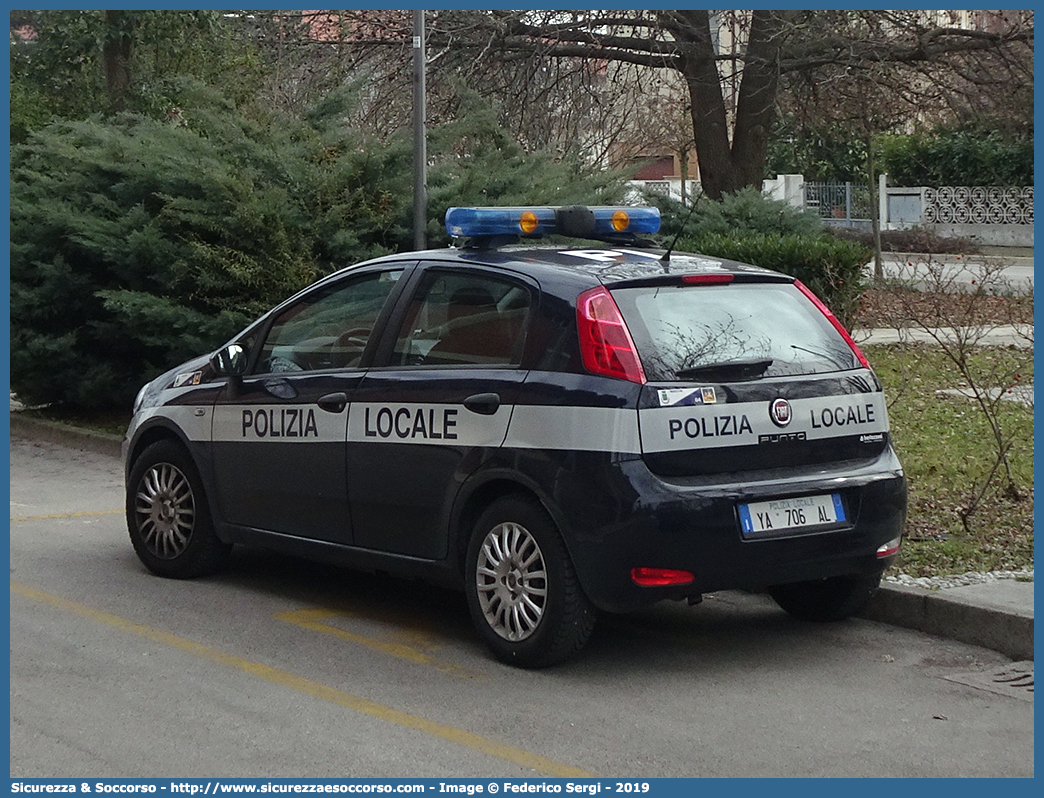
[435,406]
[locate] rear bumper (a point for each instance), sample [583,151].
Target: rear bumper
[693,525]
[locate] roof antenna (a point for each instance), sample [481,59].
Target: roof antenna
[666,257]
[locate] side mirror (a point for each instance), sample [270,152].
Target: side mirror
[230,361]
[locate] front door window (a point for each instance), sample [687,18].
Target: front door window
[328,329]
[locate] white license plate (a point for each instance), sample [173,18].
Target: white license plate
[781,515]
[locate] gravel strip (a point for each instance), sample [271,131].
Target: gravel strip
[957,580]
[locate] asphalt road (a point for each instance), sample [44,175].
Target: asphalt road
[282,668]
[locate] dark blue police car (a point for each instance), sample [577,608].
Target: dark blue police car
[559,430]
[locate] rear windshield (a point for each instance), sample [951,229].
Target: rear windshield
[726,333]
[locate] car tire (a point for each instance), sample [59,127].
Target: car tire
[523,593]
[168,517]
[825,600]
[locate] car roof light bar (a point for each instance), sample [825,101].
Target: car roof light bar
[471,222]
[577,220]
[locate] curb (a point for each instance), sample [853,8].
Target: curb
[1009,632]
[1019,336]
[55,432]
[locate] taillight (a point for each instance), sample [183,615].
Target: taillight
[833,320]
[605,342]
[660,577]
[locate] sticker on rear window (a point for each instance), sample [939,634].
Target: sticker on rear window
[682,397]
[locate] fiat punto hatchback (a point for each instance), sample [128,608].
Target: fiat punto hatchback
[557,430]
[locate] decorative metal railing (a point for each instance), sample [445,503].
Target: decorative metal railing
[978,205]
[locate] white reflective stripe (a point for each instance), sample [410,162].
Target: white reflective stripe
[277,424]
[833,416]
[589,429]
[715,426]
[531,427]
[434,424]
[594,429]
[195,426]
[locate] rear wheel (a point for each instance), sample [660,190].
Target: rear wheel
[525,599]
[168,517]
[826,599]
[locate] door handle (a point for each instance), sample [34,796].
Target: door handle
[485,404]
[333,402]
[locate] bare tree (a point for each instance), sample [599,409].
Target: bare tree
[555,77]
[864,104]
[731,145]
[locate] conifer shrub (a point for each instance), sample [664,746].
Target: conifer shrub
[137,244]
[750,211]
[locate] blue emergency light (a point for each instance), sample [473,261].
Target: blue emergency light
[576,220]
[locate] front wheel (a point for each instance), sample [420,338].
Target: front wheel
[826,599]
[168,517]
[523,593]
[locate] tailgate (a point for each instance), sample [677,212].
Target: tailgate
[747,373]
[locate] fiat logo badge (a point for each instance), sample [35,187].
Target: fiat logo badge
[780,412]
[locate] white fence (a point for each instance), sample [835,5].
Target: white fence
[990,215]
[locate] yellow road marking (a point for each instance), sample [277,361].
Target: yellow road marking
[309,687]
[65,515]
[315,620]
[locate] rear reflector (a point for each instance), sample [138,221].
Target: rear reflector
[833,320]
[605,342]
[889,548]
[659,577]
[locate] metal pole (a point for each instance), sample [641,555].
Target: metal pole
[420,147]
[875,209]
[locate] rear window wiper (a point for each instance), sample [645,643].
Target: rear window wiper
[727,371]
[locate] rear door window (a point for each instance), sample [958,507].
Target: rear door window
[464,319]
[726,333]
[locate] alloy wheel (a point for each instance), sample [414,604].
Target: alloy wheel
[166,511]
[511,581]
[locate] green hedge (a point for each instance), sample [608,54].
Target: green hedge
[963,158]
[831,268]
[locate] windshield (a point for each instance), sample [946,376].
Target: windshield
[725,333]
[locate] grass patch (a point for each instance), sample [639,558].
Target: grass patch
[948,451]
